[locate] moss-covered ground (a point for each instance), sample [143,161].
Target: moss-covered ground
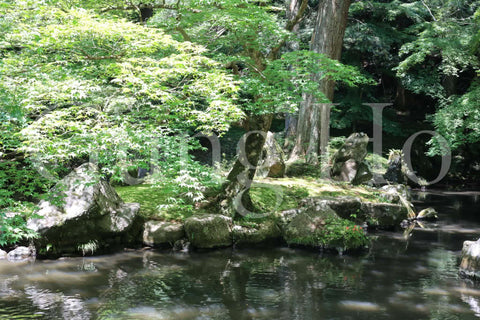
[156,203]
[268,195]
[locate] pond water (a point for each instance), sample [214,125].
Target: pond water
[397,279]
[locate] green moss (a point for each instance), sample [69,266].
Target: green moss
[269,198]
[295,189]
[156,203]
[335,233]
[302,169]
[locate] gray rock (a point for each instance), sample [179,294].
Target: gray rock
[181,245]
[384,215]
[3,254]
[344,206]
[348,162]
[91,211]
[286,216]
[21,254]
[470,265]
[378,215]
[209,231]
[307,227]
[158,233]
[262,232]
[272,159]
[392,192]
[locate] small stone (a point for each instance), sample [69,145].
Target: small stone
[3,254]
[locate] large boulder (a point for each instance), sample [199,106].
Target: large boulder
[348,163]
[272,159]
[470,265]
[259,233]
[209,230]
[89,212]
[158,233]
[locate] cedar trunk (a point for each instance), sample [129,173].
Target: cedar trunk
[313,126]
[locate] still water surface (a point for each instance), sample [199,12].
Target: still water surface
[397,279]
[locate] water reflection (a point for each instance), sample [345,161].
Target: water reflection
[396,279]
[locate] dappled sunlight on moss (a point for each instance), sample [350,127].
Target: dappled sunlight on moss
[318,187]
[156,203]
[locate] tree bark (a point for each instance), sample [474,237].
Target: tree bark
[314,119]
[290,118]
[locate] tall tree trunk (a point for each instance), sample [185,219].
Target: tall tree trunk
[314,119]
[290,118]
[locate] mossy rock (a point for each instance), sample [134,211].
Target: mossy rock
[160,233]
[266,231]
[321,227]
[209,230]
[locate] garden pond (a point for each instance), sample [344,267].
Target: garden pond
[397,278]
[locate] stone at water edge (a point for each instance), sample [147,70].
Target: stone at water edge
[158,233]
[92,211]
[3,254]
[209,231]
[393,191]
[263,232]
[470,265]
[307,227]
[21,254]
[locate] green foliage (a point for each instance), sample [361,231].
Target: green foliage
[172,199]
[107,90]
[13,225]
[458,121]
[89,247]
[246,36]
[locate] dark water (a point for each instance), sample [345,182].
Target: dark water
[396,279]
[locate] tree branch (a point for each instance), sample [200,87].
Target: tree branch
[298,17]
[289,27]
[185,36]
[429,11]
